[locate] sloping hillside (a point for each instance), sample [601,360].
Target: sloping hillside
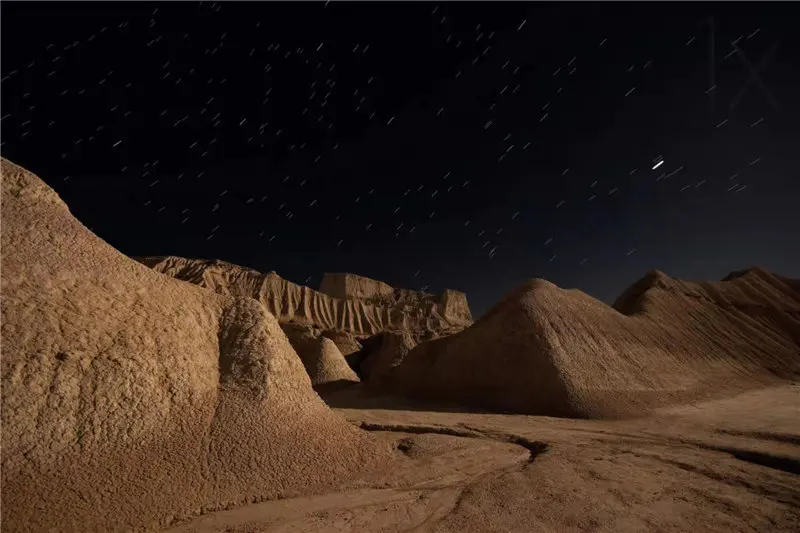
[546,350]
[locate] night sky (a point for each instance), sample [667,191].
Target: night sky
[429,145]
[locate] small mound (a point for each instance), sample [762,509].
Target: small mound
[549,351]
[321,357]
[131,399]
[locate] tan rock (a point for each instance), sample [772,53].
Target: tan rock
[347,343]
[378,311]
[546,350]
[379,364]
[451,305]
[323,361]
[353,287]
[131,399]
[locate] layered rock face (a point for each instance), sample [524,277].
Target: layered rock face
[352,287]
[550,351]
[451,305]
[131,399]
[347,303]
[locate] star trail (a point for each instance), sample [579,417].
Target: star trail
[462,145]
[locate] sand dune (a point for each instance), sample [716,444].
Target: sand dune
[131,399]
[359,305]
[546,350]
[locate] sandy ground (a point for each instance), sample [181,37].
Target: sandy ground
[727,465]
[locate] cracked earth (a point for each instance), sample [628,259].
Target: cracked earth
[729,465]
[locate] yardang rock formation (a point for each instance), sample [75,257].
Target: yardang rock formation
[131,399]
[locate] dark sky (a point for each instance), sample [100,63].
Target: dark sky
[462,145]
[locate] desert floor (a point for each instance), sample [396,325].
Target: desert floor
[726,465]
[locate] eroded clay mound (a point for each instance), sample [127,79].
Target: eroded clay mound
[292,303]
[323,361]
[131,399]
[545,350]
[347,343]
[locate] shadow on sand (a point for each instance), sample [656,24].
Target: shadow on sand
[349,395]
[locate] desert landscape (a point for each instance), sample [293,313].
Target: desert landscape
[191,395]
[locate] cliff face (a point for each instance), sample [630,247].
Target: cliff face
[348,303]
[352,287]
[452,305]
[550,351]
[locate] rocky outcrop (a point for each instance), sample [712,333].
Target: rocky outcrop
[550,351]
[363,307]
[352,287]
[131,399]
[452,305]
[347,343]
[322,359]
[389,351]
